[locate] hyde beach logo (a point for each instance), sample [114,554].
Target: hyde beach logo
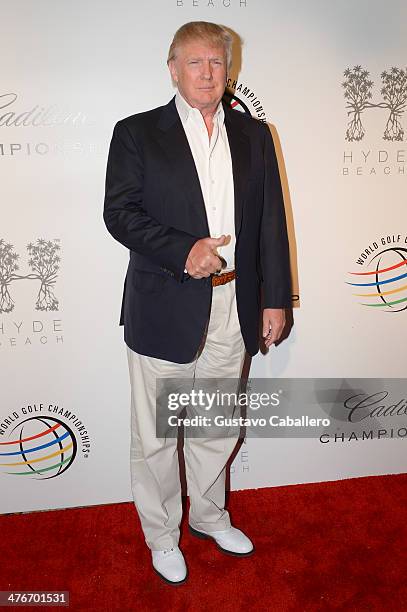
[44,260]
[213,4]
[29,284]
[380,283]
[379,151]
[41,441]
[358,95]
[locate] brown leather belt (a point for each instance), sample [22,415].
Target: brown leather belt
[222,279]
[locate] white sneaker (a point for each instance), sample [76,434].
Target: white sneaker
[231,541]
[170,565]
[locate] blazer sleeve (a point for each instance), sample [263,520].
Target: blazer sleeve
[274,248]
[124,215]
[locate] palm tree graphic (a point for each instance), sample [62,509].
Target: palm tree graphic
[358,95]
[44,262]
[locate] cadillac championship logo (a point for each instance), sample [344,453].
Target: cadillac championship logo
[41,441]
[53,129]
[380,283]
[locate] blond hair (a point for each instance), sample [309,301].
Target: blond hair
[212,33]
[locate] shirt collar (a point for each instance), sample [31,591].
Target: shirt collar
[185,110]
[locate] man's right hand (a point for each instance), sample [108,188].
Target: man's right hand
[202,260]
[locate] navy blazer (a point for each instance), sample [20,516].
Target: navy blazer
[154,207]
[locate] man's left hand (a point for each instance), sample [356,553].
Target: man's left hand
[273,325]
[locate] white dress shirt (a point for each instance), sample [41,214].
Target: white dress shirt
[214,166]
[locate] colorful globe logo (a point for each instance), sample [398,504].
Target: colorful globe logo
[384,285]
[42,447]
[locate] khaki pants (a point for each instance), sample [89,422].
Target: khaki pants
[154,465]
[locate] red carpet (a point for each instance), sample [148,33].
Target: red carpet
[326,546]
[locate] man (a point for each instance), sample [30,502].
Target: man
[193,191]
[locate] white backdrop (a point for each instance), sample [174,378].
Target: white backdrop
[69,72]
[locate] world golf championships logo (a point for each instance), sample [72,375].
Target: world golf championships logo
[42,447]
[235,102]
[383,284]
[241,98]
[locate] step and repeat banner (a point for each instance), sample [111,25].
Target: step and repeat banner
[330,79]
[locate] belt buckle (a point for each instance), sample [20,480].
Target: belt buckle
[216,279]
[223,278]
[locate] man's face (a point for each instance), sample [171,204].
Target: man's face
[199,70]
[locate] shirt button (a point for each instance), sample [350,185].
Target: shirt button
[213,207]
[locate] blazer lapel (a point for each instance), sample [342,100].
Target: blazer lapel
[173,140]
[239,145]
